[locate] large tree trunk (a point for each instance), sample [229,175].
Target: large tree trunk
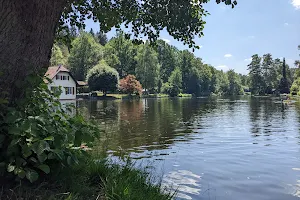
[27,30]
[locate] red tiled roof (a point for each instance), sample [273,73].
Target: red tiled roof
[52,71]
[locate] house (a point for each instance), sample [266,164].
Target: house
[82,87]
[61,77]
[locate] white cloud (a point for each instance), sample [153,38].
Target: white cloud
[227,55]
[286,24]
[296,4]
[223,67]
[166,40]
[248,59]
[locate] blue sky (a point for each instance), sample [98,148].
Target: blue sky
[233,35]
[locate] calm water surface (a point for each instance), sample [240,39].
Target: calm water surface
[243,148]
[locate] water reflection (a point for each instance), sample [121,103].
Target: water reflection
[183,182]
[69,106]
[243,148]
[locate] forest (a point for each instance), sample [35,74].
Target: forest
[162,68]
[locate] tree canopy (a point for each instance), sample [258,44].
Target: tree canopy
[147,67]
[102,77]
[130,85]
[27,43]
[182,19]
[85,54]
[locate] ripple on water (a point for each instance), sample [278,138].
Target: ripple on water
[184,182]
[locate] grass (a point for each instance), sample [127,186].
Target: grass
[91,179]
[185,95]
[117,96]
[160,95]
[126,96]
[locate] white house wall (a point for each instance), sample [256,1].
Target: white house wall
[63,84]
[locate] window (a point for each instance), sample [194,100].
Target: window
[69,90]
[57,77]
[68,78]
[54,88]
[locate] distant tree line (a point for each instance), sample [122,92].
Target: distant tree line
[165,69]
[160,68]
[268,75]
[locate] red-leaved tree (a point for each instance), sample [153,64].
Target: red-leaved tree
[130,85]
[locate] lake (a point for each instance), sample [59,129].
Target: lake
[239,148]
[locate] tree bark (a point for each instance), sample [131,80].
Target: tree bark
[27,31]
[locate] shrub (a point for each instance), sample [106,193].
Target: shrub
[37,135]
[103,77]
[295,89]
[130,85]
[174,84]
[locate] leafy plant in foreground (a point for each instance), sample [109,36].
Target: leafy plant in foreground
[37,135]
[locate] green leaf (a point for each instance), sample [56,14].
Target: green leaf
[40,146]
[44,168]
[50,138]
[26,126]
[26,151]
[10,168]
[15,141]
[34,160]
[21,173]
[42,157]
[20,161]
[69,160]
[14,131]
[32,175]
[51,156]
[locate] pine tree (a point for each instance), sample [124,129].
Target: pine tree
[284,85]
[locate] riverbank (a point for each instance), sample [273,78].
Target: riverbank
[100,96]
[91,179]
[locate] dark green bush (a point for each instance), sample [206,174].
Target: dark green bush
[103,78]
[37,135]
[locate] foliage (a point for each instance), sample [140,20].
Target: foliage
[182,19]
[174,84]
[295,88]
[297,62]
[102,38]
[57,57]
[147,68]
[255,73]
[235,87]
[92,179]
[153,66]
[102,77]
[38,136]
[110,56]
[125,51]
[167,59]
[130,85]
[85,54]
[284,85]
